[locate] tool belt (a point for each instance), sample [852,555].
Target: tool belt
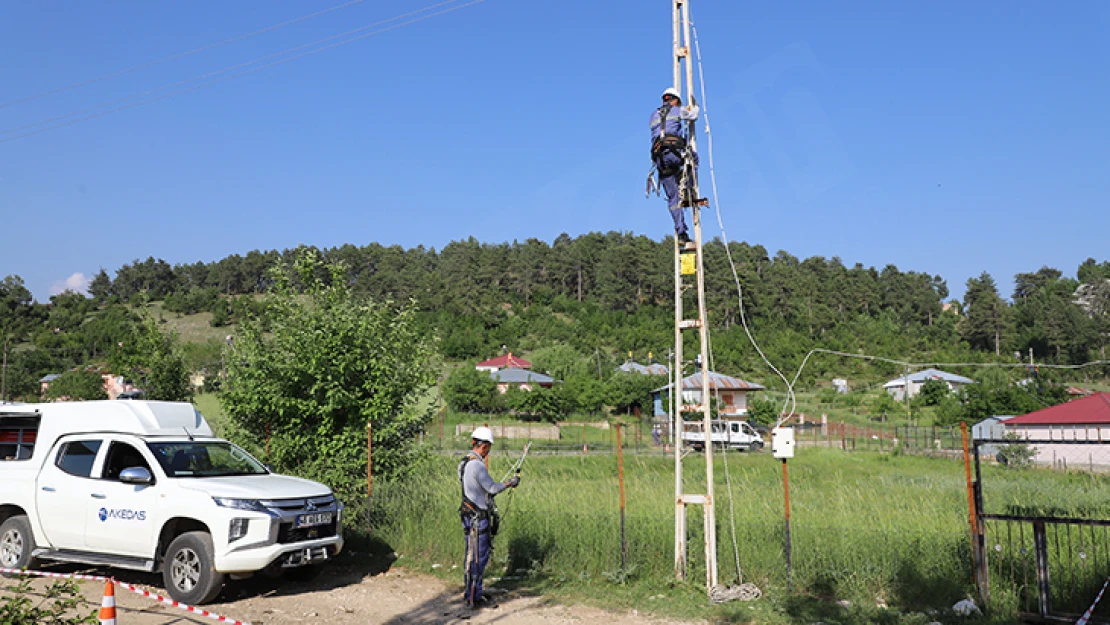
[672,144]
[476,515]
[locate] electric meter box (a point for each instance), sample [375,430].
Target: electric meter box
[782,443]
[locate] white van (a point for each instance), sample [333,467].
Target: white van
[737,435]
[145,485]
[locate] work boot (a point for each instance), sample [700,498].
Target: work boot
[683,239]
[485,602]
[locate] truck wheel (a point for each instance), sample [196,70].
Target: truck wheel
[17,543]
[189,569]
[756,446]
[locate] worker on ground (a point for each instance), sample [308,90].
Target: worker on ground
[479,518]
[668,152]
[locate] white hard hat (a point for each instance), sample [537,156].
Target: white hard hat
[672,91]
[483,434]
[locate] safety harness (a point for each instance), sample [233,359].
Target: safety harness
[667,144]
[470,509]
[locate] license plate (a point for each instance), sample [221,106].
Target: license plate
[310,520]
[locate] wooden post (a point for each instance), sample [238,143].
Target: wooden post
[370,466]
[620,478]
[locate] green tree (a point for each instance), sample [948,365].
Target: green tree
[934,391]
[153,361]
[763,411]
[468,390]
[584,392]
[560,361]
[77,385]
[100,287]
[331,362]
[629,392]
[986,315]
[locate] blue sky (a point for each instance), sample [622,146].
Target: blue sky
[945,137]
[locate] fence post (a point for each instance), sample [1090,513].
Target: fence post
[620,474]
[982,578]
[1040,550]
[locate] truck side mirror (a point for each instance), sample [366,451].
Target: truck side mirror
[135,475]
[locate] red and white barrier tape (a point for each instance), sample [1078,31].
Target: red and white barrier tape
[187,608]
[95,578]
[134,589]
[1087,615]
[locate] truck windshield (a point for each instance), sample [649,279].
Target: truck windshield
[204,459]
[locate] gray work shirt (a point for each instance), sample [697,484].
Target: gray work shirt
[477,484]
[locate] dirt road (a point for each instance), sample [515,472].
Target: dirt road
[344,595]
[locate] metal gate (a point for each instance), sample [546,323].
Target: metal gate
[1042,517]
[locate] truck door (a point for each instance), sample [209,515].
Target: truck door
[734,436]
[120,517]
[65,486]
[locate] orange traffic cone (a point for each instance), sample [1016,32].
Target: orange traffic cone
[108,605]
[667,448]
[584,448]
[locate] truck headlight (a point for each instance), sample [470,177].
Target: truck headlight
[239,504]
[237,529]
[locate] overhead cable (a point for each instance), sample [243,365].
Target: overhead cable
[237,75]
[179,55]
[791,401]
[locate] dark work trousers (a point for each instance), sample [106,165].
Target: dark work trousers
[670,184]
[476,557]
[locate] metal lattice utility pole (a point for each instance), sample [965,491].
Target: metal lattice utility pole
[688,262]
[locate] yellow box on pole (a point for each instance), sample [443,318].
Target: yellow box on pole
[689,263]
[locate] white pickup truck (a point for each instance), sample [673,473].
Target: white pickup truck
[145,485]
[733,434]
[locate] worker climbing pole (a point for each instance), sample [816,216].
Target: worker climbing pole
[675,160]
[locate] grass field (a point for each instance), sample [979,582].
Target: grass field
[868,528]
[195,328]
[865,526]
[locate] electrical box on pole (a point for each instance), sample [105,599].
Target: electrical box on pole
[689,282]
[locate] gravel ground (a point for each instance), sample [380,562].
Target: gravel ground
[342,595]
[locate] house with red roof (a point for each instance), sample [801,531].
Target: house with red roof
[504,361]
[1084,419]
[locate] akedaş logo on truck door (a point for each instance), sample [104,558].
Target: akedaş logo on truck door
[122,514]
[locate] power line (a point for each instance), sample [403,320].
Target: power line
[231,68]
[177,56]
[791,400]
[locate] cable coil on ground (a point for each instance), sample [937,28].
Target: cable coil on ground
[743,592]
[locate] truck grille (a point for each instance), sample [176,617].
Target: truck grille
[299,505]
[288,534]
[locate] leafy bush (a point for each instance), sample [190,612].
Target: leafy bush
[57,606]
[763,411]
[934,391]
[882,405]
[77,385]
[468,390]
[1017,454]
[331,362]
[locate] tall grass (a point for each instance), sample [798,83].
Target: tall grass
[863,525]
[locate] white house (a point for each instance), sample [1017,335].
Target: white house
[897,387]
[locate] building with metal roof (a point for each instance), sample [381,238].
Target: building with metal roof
[896,387]
[521,378]
[655,368]
[730,392]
